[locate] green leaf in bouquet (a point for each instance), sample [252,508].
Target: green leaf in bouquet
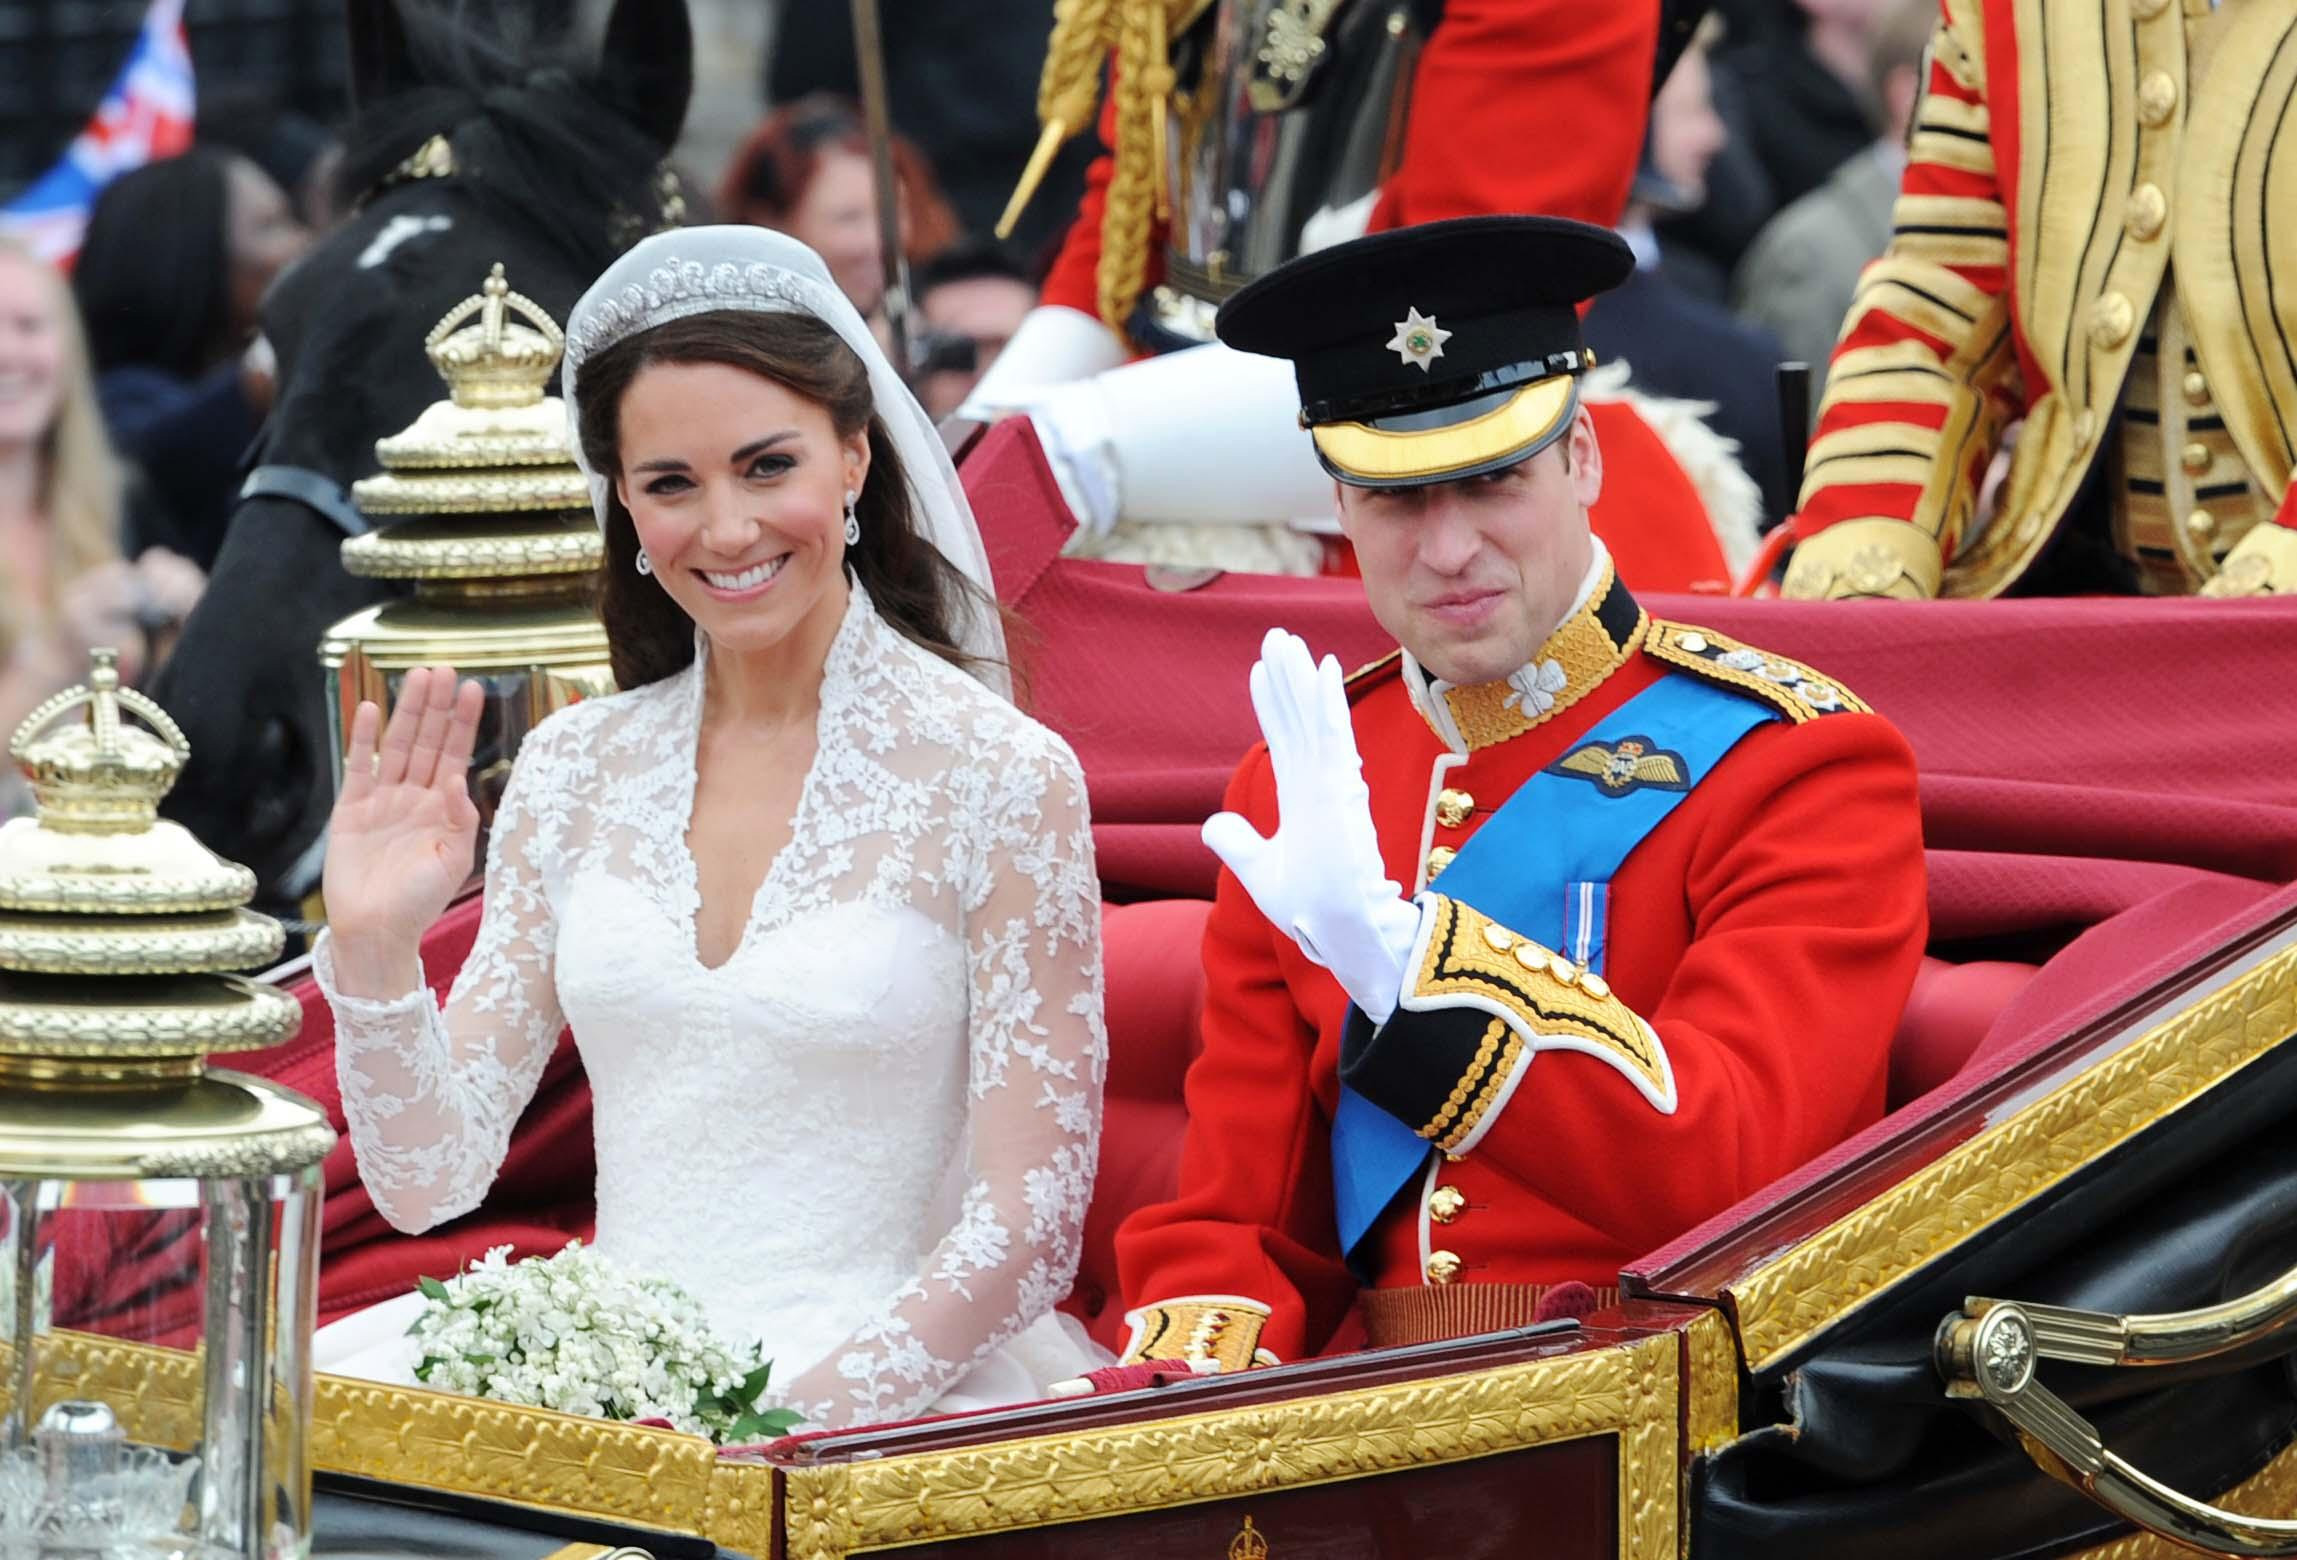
[433,1290]
[765,1424]
[753,1384]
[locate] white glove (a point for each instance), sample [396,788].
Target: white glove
[1319,878]
[1053,346]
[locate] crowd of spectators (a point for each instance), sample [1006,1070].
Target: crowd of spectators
[1772,156]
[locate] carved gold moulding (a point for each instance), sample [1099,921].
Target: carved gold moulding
[676,1483]
[2172,1059]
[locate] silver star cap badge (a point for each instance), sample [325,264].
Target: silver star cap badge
[1419,340]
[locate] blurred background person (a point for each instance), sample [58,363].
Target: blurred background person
[1798,276]
[170,281]
[961,82]
[805,171]
[1793,90]
[1675,341]
[299,153]
[64,588]
[971,297]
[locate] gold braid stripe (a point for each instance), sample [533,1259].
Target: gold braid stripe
[1510,1055]
[1466,1087]
[1143,82]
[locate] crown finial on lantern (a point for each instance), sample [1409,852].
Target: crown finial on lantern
[495,361]
[101,776]
[1248,1544]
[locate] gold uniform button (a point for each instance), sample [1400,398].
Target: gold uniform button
[1445,1203]
[2156,99]
[1595,985]
[1497,937]
[2111,319]
[1531,956]
[2196,387]
[1453,807]
[1695,643]
[1443,1266]
[2196,457]
[1438,859]
[2148,210]
[2201,523]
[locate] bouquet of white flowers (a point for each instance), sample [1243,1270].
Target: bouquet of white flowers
[575,1333]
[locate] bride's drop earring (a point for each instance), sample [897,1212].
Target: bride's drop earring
[852,521]
[645,562]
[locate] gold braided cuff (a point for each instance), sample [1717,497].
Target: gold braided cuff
[1219,1330]
[1535,999]
[2263,563]
[1855,558]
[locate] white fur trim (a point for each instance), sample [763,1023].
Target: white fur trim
[1733,500]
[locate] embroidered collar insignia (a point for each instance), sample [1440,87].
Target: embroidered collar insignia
[1634,764]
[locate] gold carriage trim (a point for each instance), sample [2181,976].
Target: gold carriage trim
[2264,564]
[1464,958]
[1788,1302]
[1222,1330]
[1631,1392]
[1797,691]
[1857,558]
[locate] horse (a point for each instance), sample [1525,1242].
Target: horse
[473,140]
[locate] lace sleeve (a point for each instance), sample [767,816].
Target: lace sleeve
[431,1096]
[1031,902]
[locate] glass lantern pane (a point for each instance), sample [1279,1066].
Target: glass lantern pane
[159,1389]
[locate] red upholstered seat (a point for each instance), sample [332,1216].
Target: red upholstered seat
[1155,974]
[1947,1013]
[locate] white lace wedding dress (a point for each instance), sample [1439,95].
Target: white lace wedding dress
[867,1139]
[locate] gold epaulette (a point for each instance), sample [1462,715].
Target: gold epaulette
[1373,674]
[1798,692]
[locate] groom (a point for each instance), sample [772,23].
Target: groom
[1668,889]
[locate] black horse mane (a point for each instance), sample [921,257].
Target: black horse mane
[521,113]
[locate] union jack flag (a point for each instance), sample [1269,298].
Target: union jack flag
[146,114]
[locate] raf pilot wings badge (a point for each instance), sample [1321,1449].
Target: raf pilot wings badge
[1623,768]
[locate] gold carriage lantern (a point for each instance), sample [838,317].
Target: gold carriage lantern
[481,507]
[159,1222]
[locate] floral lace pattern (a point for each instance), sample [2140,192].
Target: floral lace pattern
[868,1138]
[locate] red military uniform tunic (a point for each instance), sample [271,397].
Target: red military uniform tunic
[1767,930]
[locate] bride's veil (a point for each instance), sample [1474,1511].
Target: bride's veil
[702,270]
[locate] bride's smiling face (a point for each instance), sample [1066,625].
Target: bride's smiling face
[736,485]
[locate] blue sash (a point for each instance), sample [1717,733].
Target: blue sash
[1542,867]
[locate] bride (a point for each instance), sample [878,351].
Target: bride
[818,902]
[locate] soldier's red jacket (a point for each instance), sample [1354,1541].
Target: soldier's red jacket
[1764,935]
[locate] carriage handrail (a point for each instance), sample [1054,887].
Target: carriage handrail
[1988,1350]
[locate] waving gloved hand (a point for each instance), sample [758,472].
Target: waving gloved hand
[1319,878]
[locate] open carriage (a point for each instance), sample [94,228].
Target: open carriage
[2090,1098]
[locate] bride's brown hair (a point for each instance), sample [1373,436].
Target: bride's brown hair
[914,588]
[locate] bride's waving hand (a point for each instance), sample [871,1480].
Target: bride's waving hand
[400,840]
